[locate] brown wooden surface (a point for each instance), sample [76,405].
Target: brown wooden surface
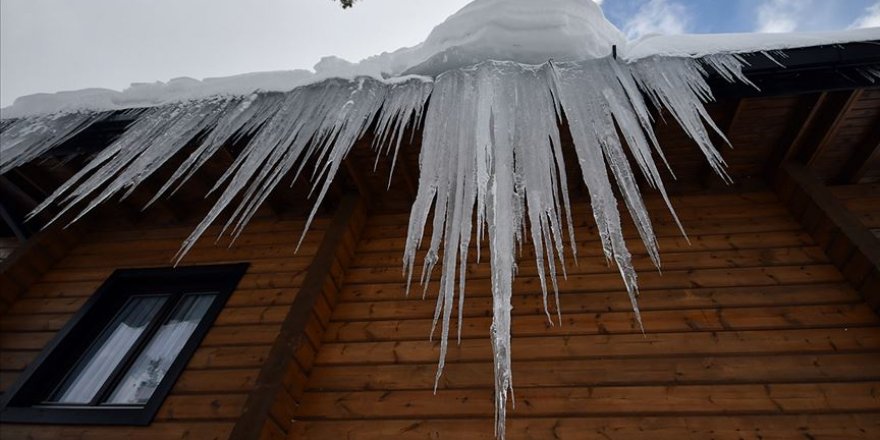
[863,201]
[22,264]
[840,230]
[753,285]
[750,332]
[210,395]
[274,393]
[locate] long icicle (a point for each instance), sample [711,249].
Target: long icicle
[491,162]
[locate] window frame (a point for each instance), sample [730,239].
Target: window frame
[25,400]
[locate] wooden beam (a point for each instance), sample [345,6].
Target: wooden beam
[806,112]
[358,179]
[848,243]
[866,155]
[285,356]
[823,128]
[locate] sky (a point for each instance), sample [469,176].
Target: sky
[54,45]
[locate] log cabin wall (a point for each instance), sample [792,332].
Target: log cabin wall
[23,263]
[210,395]
[268,412]
[750,332]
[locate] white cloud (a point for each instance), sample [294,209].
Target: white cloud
[870,19]
[781,15]
[657,17]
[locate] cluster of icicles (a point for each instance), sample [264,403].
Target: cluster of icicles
[491,160]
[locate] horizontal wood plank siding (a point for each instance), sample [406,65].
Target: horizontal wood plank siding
[838,227]
[863,201]
[268,413]
[750,332]
[210,395]
[22,264]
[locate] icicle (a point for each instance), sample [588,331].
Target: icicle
[241,120]
[730,67]
[317,123]
[23,140]
[870,73]
[157,136]
[405,100]
[771,55]
[679,85]
[491,151]
[491,162]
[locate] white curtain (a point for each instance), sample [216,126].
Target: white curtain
[151,365]
[95,367]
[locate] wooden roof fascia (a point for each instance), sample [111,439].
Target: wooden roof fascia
[813,69]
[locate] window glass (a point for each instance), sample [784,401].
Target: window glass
[150,367]
[105,354]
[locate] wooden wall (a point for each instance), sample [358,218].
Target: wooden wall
[279,388]
[863,200]
[751,333]
[26,262]
[839,231]
[210,395]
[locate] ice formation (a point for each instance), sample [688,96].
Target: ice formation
[491,157]
[491,160]
[525,31]
[23,140]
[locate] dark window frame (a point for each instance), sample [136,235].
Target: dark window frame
[23,401]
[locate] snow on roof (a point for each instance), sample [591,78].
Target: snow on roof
[504,30]
[699,45]
[516,30]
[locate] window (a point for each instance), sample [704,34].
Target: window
[118,358]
